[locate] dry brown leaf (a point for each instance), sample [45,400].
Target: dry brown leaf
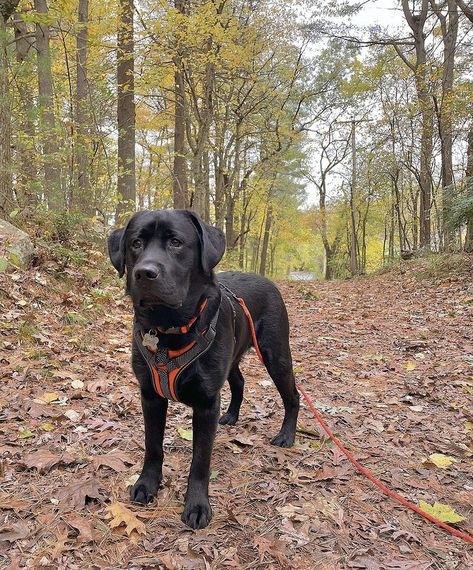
[114,460]
[15,531]
[121,515]
[44,460]
[77,493]
[84,526]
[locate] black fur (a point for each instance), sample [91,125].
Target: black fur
[166,280]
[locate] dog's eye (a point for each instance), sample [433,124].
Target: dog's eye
[175,242]
[137,243]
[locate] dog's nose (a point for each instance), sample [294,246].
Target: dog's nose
[146,272]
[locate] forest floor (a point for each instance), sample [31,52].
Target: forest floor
[387,358]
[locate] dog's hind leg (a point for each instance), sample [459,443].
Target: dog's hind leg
[278,362]
[237,382]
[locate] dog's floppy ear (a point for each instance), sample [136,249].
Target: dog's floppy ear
[212,243]
[116,250]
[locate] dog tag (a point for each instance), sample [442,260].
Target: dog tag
[150,340]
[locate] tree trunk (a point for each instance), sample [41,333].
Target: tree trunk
[353,238]
[417,23]
[179,183]
[27,174]
[449,27]
[264,248]
[82,200]
[50,150]
[6,178]
[126,182]
[469,188]
[7,202]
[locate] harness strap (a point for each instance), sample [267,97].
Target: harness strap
[242,304]
[166,365]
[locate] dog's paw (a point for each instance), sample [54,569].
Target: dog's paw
[144,491]
[197,514]
[228,419]
[283,439]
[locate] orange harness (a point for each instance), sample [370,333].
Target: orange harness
[167,365]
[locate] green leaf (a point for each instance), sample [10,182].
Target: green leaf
[26,433]
[444,513]
[185,433]
[3,264]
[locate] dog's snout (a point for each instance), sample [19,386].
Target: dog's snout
[146,272]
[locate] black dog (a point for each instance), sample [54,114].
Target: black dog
[190,334]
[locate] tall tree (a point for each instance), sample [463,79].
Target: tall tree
[25,140]
[126,181]
[49,144]
[416,19]
[179,183]
[81,198]
[7,7]
[444,108]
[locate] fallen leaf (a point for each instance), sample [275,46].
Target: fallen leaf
[13,532]
[113,460]
[25,433]
[47,398]
[72,415]
[409,366]
[77,384]
[43,460]
[440,460]
[78,492]
[444,513]
[243,440]
[185,433]
[84,526]
[119,515]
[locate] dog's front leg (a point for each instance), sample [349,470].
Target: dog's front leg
[154,413]
[197,512]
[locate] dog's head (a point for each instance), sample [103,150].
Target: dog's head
[163,252]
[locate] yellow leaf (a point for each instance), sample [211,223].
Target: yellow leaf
[409,366]
[444,513]
[119,514]
[185,433]
[25,433]
[49,397]
[440,460]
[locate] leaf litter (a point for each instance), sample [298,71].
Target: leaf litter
[384,359]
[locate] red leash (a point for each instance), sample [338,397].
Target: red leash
[377,482]
[361,469]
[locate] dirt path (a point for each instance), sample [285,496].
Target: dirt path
[389,359]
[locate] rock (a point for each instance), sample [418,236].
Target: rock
[15,245]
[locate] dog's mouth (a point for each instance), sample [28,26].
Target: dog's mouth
[156,303]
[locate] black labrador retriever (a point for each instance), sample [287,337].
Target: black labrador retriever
[190,333]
